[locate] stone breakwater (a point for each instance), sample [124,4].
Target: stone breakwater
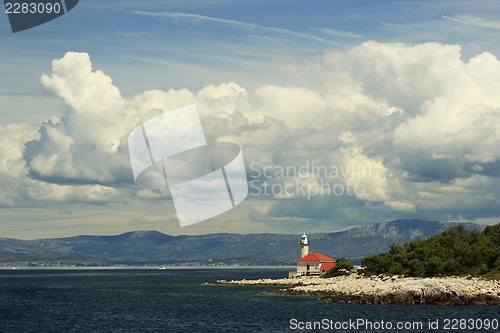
[388,290]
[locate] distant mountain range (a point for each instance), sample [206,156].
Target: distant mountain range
[155,248]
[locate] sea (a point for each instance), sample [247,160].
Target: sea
[185,300]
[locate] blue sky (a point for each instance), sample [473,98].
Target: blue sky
[243,63]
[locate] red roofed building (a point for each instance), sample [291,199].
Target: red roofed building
[312,263]
[326,267]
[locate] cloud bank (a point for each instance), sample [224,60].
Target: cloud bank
[424,121]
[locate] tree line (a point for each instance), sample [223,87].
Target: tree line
[456,251]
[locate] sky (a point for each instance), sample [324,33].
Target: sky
[346,112]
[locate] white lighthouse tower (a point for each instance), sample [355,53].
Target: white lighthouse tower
[304,246]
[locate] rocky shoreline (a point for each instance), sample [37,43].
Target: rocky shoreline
[388,290]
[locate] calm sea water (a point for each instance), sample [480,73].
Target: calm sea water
[178,300]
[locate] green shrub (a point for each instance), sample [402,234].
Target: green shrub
[342,267]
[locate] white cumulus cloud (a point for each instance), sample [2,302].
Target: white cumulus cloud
[419,115]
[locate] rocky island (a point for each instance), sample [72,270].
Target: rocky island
[457,267]
[382,289]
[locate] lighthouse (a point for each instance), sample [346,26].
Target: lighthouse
[304,246]
[313,263]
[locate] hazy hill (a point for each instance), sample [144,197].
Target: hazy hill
[153,246]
